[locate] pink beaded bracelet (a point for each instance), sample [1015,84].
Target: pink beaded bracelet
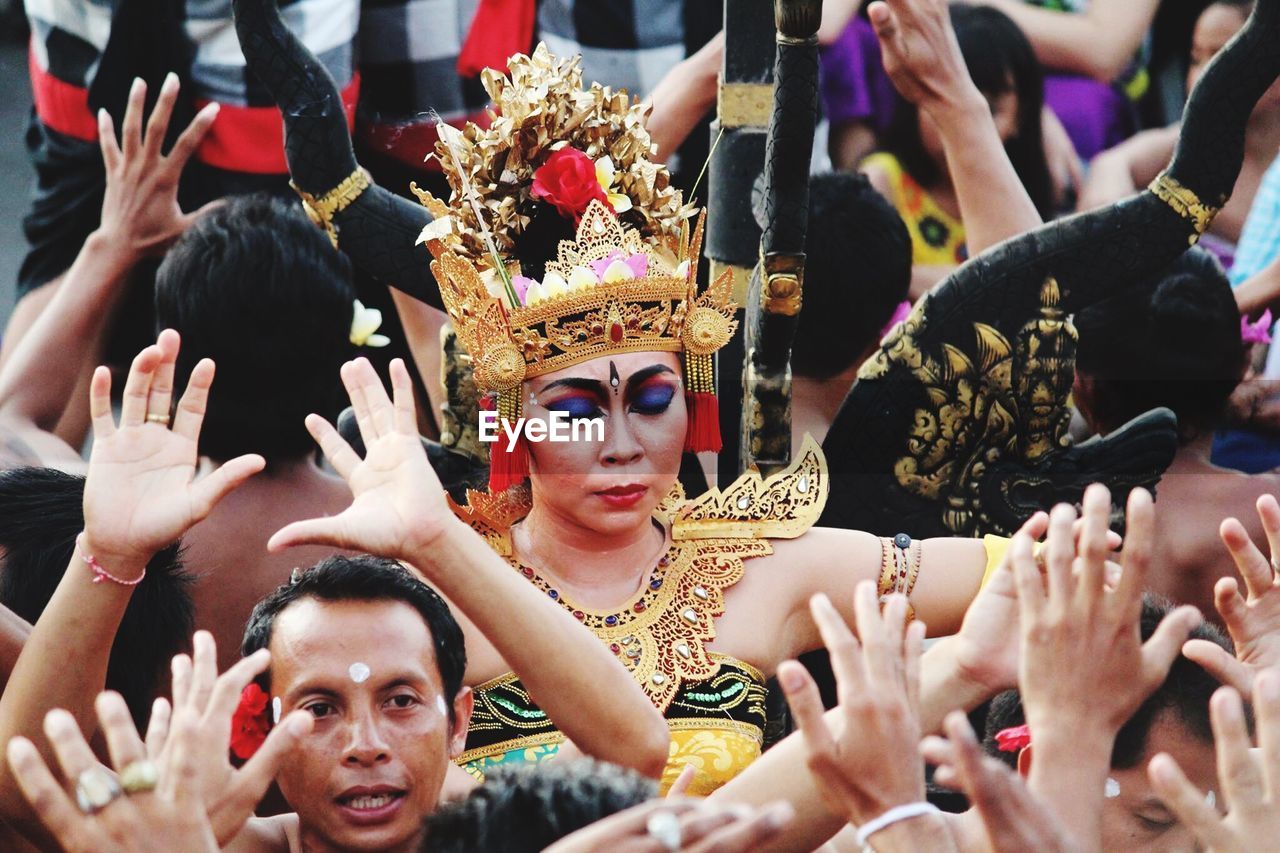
[100,574]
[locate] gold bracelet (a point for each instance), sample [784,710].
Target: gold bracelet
[899,568]
[322,210]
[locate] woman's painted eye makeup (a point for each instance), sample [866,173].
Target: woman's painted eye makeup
[575,406]
[653,398]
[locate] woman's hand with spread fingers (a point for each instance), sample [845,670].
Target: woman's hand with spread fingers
[141,493]
[1253,621]
[399,505]
[140,212]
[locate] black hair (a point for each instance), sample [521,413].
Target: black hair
[365,578]
[525,808]
[41,513]
[857,271]
[1000,59]
[256,287]
[1173,342]
[1185,692]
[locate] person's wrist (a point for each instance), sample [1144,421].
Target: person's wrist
[113,246]
[432,545]
[122,563]
[968,677]
[925,832]
[954,104]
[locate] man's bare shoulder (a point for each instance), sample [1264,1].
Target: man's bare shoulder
[278,834]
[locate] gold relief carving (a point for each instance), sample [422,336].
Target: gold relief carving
[1185,203]
[322,210]
[996,400]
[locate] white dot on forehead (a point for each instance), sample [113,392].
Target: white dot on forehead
[1112,789]
[275,710]
[359,672]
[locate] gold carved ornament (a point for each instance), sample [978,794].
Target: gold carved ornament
[997,400]
[322,210]
[1185,203]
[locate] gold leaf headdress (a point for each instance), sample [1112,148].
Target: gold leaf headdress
[626,283]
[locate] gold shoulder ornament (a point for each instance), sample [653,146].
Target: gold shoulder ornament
[782,506]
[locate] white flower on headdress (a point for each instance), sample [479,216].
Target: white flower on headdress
[620,202]
[436,229]
[364,322]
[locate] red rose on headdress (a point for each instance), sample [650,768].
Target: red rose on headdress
[568,181]
[250,724]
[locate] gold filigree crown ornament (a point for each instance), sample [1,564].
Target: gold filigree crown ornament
[627,282]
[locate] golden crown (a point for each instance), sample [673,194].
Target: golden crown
[607,291]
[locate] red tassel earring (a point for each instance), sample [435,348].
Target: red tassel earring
[508,460]
[703,405]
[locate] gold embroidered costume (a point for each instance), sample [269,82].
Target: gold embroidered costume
[714,704]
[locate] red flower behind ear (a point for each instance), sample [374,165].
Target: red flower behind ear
[1013,739]
[568,180]
[250,723]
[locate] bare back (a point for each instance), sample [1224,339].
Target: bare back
[1192,499]
[228,550]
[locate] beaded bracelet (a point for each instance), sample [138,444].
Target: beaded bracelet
[899,568]
[99,573]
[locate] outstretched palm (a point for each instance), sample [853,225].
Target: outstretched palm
[140,494]
[1252,620]
[399,504]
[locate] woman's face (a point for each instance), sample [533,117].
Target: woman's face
[612,485]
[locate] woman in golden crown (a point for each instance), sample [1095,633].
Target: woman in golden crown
[568,267]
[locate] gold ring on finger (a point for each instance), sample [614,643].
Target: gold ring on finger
[139,777]
[153,418]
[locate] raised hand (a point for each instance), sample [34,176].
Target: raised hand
[1084,667]
[149,806]
[399,507]
[1082,649]
[140,211]
[870,766]
[141,493]
[1252,622]
[229,796]
[919,49]
[1013,818]
[659,826]
[1249,780]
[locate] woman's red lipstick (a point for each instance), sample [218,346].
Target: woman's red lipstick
[623,497]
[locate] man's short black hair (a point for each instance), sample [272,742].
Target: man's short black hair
[41,513]
[366,578]
[524,808]
[1185,692]
[857,271]
[256,287]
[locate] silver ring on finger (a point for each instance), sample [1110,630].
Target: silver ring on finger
[96,789]
[139,777]
[664,828]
